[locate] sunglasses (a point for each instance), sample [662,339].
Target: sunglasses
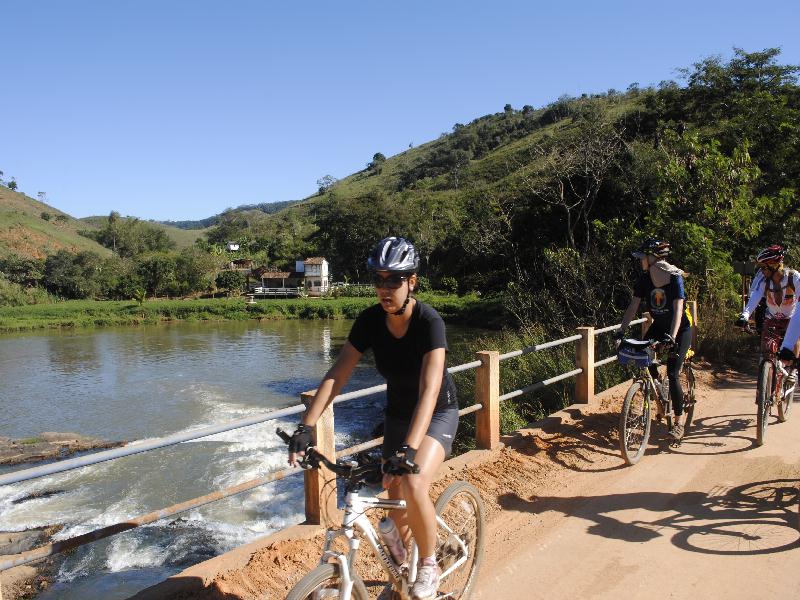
[391,282]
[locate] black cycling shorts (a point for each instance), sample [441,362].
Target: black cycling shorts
[443,427]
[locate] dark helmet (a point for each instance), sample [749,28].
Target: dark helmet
[771,255]
[654,247]
[394,254]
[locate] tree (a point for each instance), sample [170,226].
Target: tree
[232,281]
[73,275]
[325,183]
[46,216]
[376,164]
[571,172]
[12,185]
[157,273]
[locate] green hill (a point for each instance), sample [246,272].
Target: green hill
[33,229]
[183,238]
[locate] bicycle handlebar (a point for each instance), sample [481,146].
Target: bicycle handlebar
[352,470]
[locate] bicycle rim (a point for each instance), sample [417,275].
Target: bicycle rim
[764,397]
[634,424]
[460,506]
[324,583]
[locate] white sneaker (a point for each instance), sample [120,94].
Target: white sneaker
[676,431]
[427,583]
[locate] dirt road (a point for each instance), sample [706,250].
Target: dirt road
[715,518]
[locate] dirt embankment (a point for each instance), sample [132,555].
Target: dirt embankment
[535,462]
[48,446]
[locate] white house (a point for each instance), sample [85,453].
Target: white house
[317,278]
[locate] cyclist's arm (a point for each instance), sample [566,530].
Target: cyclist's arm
[792,332]
[332,383]
[430,382]
[756,293]
[677,316]
[630,312]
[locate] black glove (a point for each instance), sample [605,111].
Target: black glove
[740,322]
[402,462]
[786,354]
[668,341]
[301,439]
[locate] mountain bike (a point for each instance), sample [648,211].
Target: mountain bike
[645,393]
[776,382]
[459,546]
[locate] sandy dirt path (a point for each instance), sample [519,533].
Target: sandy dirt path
[715,518]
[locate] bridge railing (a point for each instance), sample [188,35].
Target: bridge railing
[320,484]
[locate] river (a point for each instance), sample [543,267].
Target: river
[146,382]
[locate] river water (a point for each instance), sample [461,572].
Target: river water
[146,382]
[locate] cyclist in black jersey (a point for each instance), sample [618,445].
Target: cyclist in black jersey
[409,343]
[661,287]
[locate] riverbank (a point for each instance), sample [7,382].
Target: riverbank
[27,581]
[469,310]
[48,445]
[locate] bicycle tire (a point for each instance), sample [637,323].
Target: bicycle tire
[689,398]
[763,396]
[633,452]
[461,507]
[785,401]
[314,581]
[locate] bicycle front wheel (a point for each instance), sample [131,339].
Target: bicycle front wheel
[324,583]
[461,508]
[785,399]
[764,390]
[634,423]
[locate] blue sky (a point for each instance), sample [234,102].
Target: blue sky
[177,110]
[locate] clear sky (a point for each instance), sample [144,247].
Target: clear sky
[178,109]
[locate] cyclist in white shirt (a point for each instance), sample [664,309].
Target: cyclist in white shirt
[778,285]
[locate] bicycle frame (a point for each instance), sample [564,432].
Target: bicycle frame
[355,518]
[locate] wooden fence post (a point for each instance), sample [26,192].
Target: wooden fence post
[584,359]
[320,483]
[692,304]
[487,393]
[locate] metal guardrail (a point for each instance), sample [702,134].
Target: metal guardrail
[147,445]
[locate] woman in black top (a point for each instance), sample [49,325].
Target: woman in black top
[409,343]
[661,287]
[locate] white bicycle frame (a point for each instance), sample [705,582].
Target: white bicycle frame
[355,517]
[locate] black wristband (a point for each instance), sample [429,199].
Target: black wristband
[408,452]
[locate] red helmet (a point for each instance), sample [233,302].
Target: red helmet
[771,255]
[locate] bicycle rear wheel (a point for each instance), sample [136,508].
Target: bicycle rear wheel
[784,399]
[688,383]
[324,583]
[764,391]
[634,423]
[460,506]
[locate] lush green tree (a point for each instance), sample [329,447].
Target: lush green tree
[157,272]
[232,281]
[12,185]
[325,183]
[73,275]
[28,272]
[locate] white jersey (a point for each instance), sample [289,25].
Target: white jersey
[781,297]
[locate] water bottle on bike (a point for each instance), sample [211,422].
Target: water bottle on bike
[391,537]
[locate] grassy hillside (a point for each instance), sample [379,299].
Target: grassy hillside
[183,238]
[34,229]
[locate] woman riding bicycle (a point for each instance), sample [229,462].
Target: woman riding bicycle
[409,344]
[661,286]
[778,284]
